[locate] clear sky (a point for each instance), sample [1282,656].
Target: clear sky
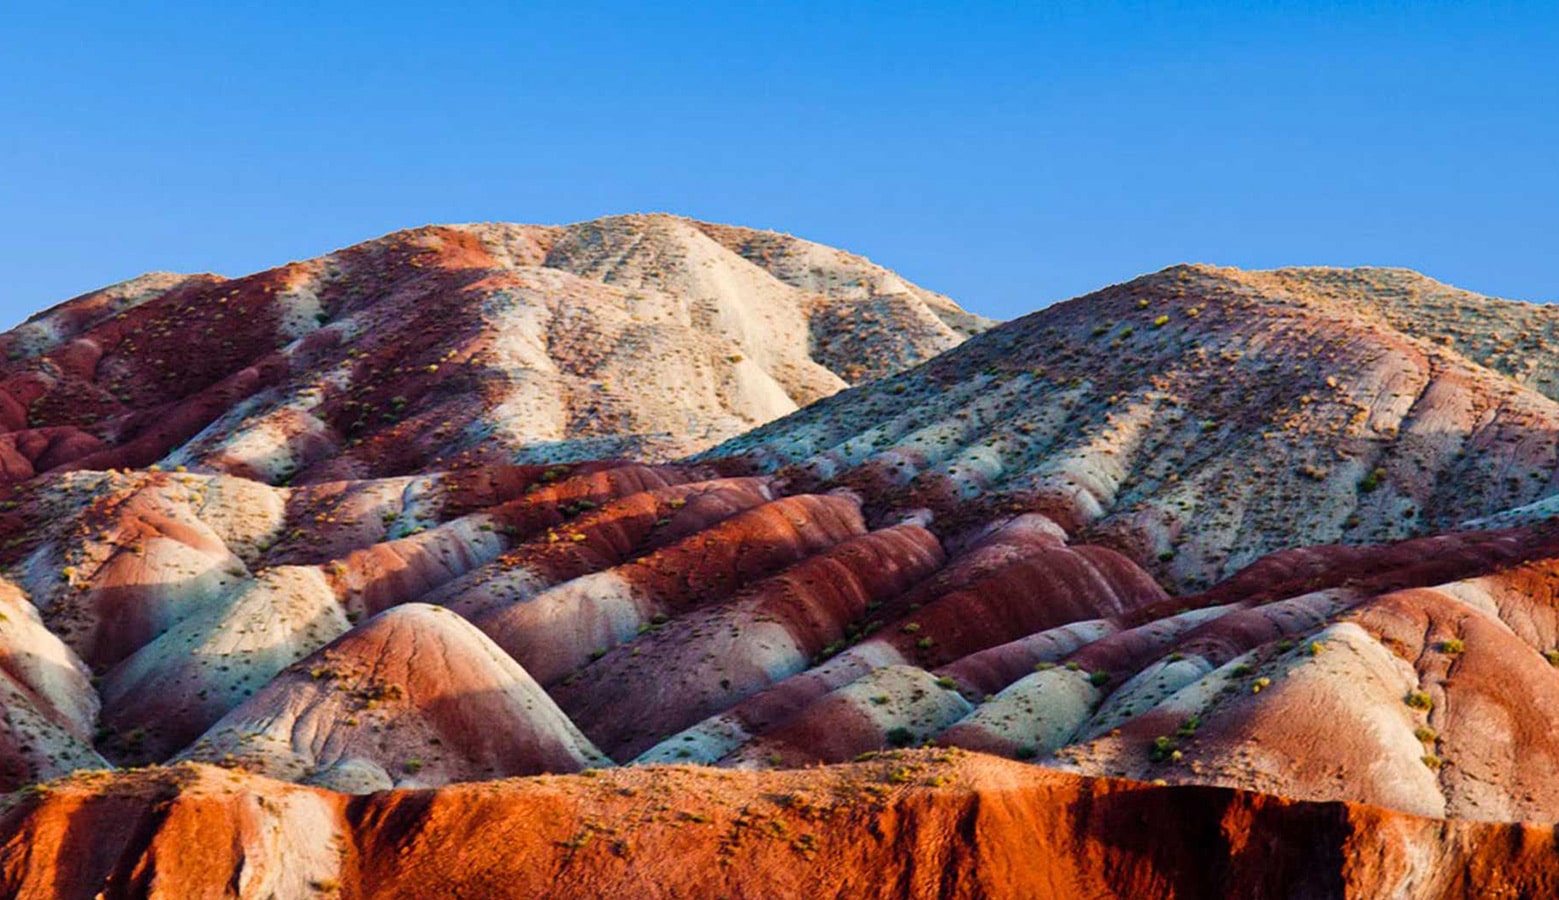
[1007,154]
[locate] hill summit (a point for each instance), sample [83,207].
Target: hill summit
[647,335]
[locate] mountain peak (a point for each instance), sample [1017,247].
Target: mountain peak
[629,335]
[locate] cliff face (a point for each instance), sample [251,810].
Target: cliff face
[917,824]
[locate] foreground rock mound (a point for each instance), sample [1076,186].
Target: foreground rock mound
[414,697]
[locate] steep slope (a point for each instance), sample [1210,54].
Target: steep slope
[1199,418]
[633,335]
[1507,336]
[888,324]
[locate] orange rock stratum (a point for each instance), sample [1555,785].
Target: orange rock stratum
[649,557]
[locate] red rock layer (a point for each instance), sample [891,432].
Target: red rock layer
[557,631]
[1050,586]
[701,663]
[611,535]
[906,825]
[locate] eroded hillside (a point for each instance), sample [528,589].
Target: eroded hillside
[447,345]
[1274,531]
[1199,418]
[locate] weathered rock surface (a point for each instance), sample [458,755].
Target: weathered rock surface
[416,696]
[412,516]
[645,335]
[904,825]
[1199,418]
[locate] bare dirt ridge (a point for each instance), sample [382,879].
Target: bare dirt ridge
[349,546]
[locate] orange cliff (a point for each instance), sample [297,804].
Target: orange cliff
[906,823]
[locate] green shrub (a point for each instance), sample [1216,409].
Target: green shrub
[1162,749]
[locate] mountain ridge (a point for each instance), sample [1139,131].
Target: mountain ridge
[1206,370]
[638,335]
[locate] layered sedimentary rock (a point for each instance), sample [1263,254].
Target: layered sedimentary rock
[649,335]
[663,615]
[416,696]
[1199,418]
[405,517]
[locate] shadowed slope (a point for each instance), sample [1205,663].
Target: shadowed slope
[704,661]
[47,705]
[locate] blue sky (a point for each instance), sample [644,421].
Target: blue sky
[1007,154]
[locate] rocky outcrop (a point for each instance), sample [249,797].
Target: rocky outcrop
[902,825]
